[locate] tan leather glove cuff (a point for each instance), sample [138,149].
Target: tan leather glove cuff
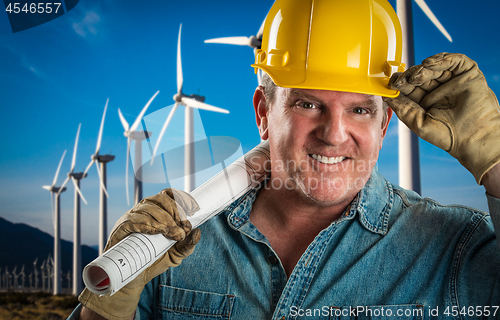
[109,307]
[123,303]
[447,102]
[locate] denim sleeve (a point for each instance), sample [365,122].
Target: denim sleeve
[494,207]
[475,276]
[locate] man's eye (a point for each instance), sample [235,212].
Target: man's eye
[307,105]
[359,110]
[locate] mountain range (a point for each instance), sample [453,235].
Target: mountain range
[23,244]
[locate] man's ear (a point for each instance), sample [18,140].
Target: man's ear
[259,104]
[387,120]
[385,125]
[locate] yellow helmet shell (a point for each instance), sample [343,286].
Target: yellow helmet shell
[341,45]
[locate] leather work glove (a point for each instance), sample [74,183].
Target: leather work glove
[163,213]
[447,102]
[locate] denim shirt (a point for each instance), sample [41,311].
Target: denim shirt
[392,254]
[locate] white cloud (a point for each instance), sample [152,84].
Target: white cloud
[24,60]
[87,24]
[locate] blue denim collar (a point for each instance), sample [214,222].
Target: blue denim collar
[373,203]
[239,211]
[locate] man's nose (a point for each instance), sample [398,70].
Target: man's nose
[333,129]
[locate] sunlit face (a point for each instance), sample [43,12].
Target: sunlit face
[324,144]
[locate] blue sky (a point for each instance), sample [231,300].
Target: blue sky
[60,74]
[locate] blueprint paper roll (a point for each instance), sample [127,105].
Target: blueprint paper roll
[127,259]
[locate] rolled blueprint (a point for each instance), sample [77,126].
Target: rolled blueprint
[127,259]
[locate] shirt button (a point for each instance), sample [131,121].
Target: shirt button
[273,260]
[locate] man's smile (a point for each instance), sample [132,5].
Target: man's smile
[327,160]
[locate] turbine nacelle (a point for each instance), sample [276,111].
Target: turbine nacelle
[105,158]
[54,189]
[77,175]
[178,97]
[197,97]
[255,42]
[137,135]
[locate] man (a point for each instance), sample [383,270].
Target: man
[328,236]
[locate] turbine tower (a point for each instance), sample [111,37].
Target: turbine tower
[77,251]
[132,134]
[56,216]
[409,159]
[103,160]
[190,102]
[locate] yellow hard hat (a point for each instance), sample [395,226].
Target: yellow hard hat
[341,45]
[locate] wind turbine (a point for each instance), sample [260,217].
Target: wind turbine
[132,134]
[252,41]
[56,215]
[42,267]
[35,271]
[409,159]
[77,251]
[23,276]
[103,212]
[15,276]
[190,102]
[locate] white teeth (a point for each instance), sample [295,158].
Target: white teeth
[327,160]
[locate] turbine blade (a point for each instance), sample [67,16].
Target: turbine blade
[261,30]
[163,129]
[99,138]
[180,78]
[201,105]
[123,121]
[78,190]
[101,180]
[126,171]
[88,167]
[239,41]
[139,118]
[73,161]
[62,186]
[58,168]
[430,15]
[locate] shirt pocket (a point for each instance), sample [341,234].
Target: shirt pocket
[400,312]
[177,303]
